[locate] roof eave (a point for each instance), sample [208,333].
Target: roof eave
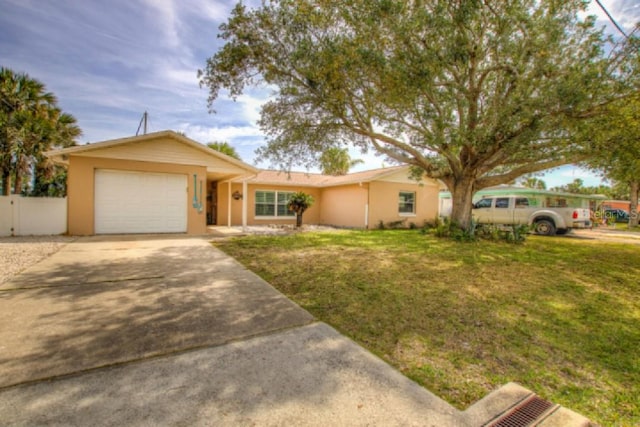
[61,156]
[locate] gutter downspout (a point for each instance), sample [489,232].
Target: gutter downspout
[366,206]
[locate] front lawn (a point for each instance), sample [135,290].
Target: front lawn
[560,316]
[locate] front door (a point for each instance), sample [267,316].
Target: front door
[212,203]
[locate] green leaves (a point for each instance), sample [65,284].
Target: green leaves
[30,124]
[336,161]
[298,203]
[488,90]
[225,148]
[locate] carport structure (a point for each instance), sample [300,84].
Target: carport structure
[160,182]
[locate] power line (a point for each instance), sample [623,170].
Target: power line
[613,21]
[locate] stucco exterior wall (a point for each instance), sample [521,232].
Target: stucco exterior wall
[354,205]
[223,203]
[383,202]
[80,184]
[311,215]
[345,206]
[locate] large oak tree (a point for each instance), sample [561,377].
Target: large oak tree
[475,93]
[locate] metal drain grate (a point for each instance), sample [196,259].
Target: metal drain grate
[524,414]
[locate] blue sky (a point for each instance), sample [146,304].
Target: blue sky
[109,61]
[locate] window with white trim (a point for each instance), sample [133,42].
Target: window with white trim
[407,203]
[273,204]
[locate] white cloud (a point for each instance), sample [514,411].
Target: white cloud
[216,11]
[206,134]
[167,20]
[625,12]
[251,104]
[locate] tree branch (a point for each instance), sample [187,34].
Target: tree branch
[490,181]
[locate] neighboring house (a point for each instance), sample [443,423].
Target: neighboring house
[625,205]
[164,182]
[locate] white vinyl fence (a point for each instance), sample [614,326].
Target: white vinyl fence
[32,216]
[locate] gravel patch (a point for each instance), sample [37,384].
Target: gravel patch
[284,229]
[19,253]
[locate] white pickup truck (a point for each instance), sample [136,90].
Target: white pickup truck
[514,210]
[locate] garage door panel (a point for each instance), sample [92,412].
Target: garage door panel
[140,202]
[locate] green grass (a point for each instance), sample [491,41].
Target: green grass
[624,227]
[560,316]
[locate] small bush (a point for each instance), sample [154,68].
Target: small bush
[395,225]
[448,229]
[516,233]
[494,232]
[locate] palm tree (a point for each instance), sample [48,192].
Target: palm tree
[30,124]
[50,179]
[533,182]
[336,161]
[298,203]
[224,148]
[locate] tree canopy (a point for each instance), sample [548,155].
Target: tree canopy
[533,182]
[30,124]
[336,161]
[471,92]
[577,187]
[615,138]
[225,148]
[299,202]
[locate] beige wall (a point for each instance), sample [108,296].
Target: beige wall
[345,206]
[80,184]
[311,216]
[383,203]
[342,206]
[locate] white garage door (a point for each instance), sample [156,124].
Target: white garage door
[140,202]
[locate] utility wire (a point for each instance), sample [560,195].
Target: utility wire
[613,21]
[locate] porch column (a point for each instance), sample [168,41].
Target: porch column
[245,196]
[366,215]
[229,203]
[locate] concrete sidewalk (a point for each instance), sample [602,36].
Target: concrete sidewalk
[306,376]
[167,330]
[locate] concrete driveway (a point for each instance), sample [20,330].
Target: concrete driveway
[167,330]
[104,301]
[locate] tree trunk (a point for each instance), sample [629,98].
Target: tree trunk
[17,185]
[6,185]
[633,209]
[298,220]
[462,201]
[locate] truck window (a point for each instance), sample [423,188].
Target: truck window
[522,202]
[502,203]
[483,203]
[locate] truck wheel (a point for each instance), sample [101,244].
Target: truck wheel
[561,231]
[545,227]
